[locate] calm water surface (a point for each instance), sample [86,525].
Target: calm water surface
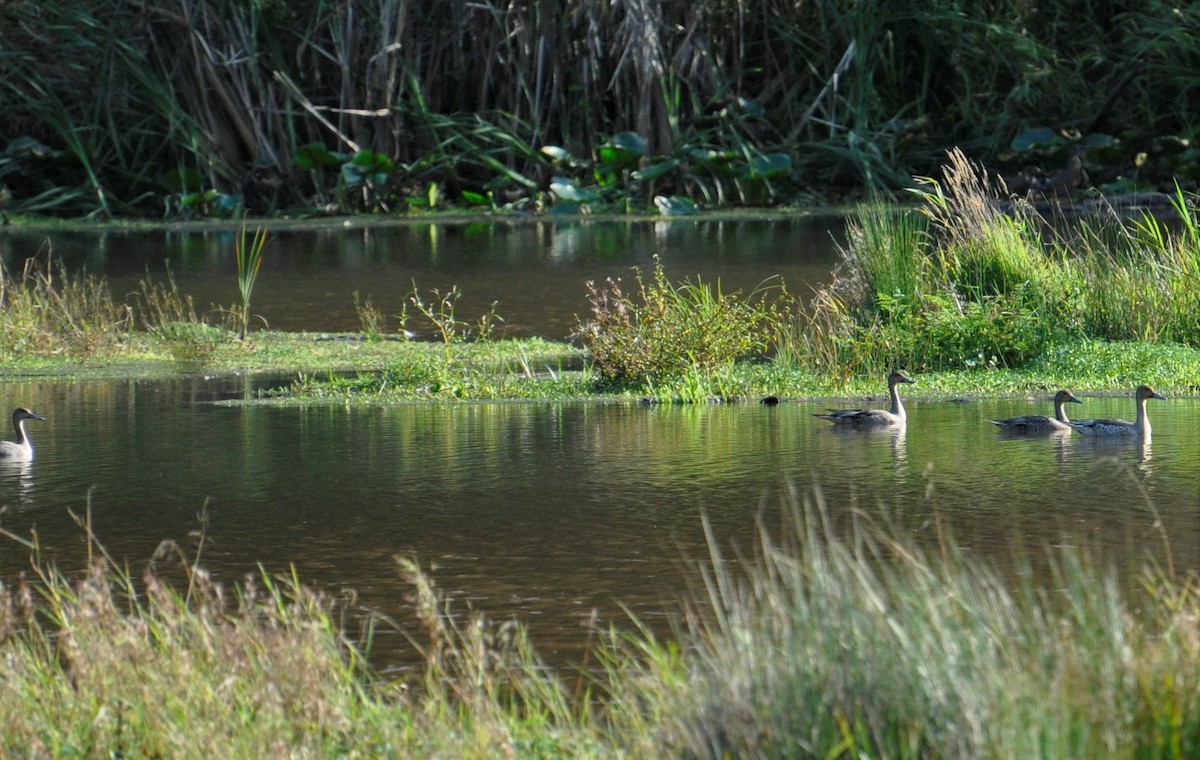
[543,512]
[534,271]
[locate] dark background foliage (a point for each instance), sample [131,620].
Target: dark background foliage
[116,106]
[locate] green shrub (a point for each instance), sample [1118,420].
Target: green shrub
[665,332]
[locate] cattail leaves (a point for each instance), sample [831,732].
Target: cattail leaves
[248,256]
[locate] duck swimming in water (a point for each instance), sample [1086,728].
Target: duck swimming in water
[1040,423]
[20,450]
[1140,426]
[874,417]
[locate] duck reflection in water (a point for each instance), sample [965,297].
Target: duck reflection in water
[869,438]
[1114,451]
[16,478]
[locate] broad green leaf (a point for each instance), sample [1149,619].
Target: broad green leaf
[623,150]
[655,170]
[316,156]
[226,205]
[556,153]
[1100,140]
[714,162]
[750,106]
[630,142]
[351,175]
[370,162]
[192,200]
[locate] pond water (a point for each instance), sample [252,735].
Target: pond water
[548,512]
[535,271]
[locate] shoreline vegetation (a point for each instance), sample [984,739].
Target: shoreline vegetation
[973,296]
[833,638]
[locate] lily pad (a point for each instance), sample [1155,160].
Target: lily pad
[1038,137]
[564,189]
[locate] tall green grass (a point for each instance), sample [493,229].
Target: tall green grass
[171,317]
[46,311]
[962,283]
[837,637]
[846,640]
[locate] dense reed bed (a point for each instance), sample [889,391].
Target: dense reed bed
[196,106]
[836,637]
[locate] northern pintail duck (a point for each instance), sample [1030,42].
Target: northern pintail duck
[1040,423]
[874,417]
[20,450]
[1140,426]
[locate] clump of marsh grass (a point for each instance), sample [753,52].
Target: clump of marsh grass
[171,317]
[102,665]
[486,684]
[665,333]
[46,311]
[1144,280]
[980,288]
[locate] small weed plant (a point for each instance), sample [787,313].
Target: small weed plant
[370,318]
[440,311]
[663,332]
